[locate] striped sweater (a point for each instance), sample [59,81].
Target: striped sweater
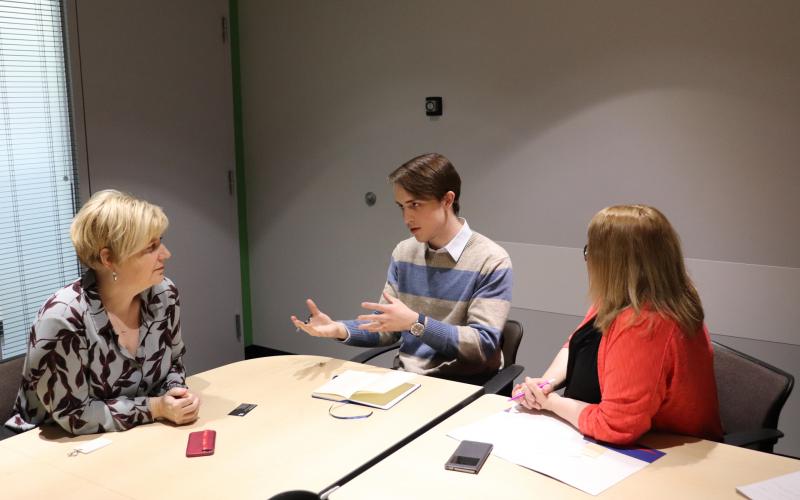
[466,303]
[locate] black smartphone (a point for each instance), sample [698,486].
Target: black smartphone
[469,457]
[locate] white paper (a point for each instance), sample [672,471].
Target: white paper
[777,488]
[90,446]
[547,444]
[385,382]
[349,382]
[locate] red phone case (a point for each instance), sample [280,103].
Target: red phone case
[201,443]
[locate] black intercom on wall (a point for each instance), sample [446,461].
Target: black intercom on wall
[433,106]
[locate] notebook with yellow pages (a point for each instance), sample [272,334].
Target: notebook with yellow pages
[378,390]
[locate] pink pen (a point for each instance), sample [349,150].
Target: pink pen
[542,385]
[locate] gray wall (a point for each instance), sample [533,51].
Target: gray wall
[154,116]
[552,111]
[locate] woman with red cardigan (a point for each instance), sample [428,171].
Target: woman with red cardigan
[642,358]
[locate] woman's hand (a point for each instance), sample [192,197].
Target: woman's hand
[394,316]
[320,324]
[178,405]
[537,391]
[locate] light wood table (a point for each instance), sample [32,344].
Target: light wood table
[288,442]
[691,468]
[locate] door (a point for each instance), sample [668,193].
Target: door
[154,117]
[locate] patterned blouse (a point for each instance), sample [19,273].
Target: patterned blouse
[77,374]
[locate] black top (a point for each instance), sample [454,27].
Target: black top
[582,382]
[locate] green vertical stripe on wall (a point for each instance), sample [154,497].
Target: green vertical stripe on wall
[241,192]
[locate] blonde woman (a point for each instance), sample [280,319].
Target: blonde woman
[104,353]
[642,358]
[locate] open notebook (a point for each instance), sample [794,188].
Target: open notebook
[379,390]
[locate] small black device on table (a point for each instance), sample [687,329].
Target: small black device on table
[242,410]
[469,457]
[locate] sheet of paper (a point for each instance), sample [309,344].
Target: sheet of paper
[778,488]
[547,444]
[351,381]
[385,382]
[345,384]
[90,446]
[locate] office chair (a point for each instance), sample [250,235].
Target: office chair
[295,495]
[10,379]
[501,382]
[751,396]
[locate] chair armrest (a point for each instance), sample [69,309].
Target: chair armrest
[502,378]
[374,353]
[749,438]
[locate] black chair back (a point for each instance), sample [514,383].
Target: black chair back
[751,392]
[10,379]
[512,337]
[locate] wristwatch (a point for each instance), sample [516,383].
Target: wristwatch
[419,327]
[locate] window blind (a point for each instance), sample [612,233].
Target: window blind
[38,182]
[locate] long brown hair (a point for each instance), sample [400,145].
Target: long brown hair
[634,259]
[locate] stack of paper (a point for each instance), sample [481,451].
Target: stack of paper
[547,444]
[778,488]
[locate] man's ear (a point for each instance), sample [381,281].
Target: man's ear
[106,259]
[448,199]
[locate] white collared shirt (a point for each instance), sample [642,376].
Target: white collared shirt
[456,246]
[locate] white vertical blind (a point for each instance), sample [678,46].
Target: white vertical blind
[38,183]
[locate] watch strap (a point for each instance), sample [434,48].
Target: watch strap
[418,328]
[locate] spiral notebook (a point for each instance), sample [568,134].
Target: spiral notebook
[378,390]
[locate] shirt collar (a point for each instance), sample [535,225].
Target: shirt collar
[456,246]
[149,307]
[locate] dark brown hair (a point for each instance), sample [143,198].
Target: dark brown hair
[429,176]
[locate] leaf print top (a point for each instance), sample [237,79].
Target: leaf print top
[77,374]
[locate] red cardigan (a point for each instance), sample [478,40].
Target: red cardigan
[652,376]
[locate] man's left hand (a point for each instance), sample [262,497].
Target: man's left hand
[394,316]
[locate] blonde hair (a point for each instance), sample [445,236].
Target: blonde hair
[634,259]
[118,221]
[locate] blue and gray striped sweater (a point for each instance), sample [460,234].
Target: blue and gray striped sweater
[466,302]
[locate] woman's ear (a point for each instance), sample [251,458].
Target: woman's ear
[106,259]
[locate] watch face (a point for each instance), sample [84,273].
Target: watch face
[417,329]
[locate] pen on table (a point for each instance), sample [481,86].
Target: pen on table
[541,386]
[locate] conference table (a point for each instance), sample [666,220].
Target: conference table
[289,441]
[691,468]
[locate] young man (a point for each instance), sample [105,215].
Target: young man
[448,290]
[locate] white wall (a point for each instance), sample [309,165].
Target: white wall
[551,112]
